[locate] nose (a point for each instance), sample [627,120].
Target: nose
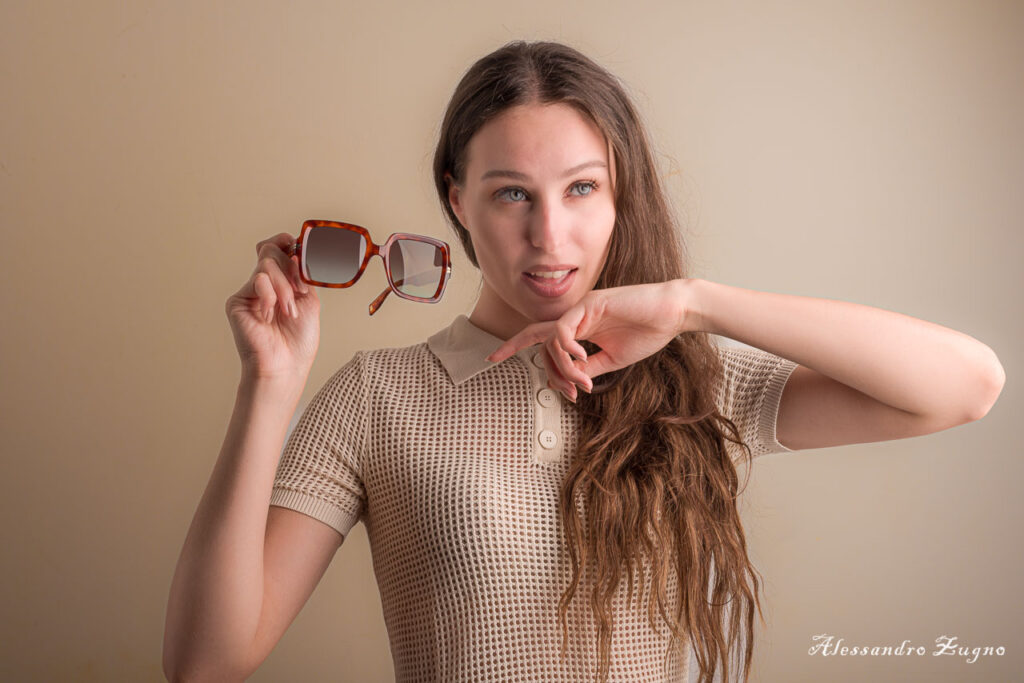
[548,227]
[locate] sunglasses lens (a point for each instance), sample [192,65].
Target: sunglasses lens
[333,255]
[416,267]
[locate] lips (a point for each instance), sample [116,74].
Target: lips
[550,274]
[548,286]
[549,267]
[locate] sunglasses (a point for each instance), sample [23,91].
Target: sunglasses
[333,254]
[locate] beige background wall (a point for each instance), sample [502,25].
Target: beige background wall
[869,152]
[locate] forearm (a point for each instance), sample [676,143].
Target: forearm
[217,590]
[907,363]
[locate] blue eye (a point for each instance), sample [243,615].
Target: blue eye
[508,190]
[590,186]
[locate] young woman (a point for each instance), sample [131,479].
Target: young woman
[517,535]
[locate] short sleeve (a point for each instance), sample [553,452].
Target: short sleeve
[749,393]
[319,473]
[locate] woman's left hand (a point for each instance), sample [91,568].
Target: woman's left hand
[628,323]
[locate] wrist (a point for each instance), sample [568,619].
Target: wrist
[688,299]
[287,384]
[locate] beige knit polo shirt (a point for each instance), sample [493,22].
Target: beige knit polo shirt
[454,465]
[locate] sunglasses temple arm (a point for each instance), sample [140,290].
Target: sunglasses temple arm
[379,300]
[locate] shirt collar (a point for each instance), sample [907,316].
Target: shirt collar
[462,348]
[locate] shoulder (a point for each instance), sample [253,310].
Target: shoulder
[392,358]
[403,369]
[369,367]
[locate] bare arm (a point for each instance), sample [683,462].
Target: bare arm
[231,591]
[866,374]
[246,569]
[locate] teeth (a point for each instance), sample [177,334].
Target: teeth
[557,274]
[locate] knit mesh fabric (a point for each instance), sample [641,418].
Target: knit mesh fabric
[463,518]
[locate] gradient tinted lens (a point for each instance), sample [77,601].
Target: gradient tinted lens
[416,267]
[333,255]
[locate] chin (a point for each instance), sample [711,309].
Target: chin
[546,312]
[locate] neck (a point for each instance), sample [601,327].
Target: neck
[492,315]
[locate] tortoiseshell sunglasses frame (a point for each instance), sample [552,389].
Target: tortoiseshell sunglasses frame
[374,250]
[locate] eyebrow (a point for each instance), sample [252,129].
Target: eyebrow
[516,175]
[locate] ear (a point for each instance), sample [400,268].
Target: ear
[454,198]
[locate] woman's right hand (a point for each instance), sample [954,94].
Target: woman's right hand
[272,343]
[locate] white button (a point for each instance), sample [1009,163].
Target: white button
[548,439]
[547,398]
[538,360]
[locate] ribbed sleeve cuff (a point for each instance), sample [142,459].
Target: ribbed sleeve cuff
[316,508]
[770,405]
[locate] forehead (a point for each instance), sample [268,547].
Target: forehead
[541,138]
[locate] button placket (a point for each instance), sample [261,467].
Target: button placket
[547,411]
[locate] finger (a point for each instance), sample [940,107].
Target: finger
[277,248]
[266,297]
[561,360]
[556,380]
[268,249]
[528,336]
[567,367]
[282,287]
[578,352]
[570,369]
[564,336]
[281,240]
[568,327]
[268,283]
[518,341]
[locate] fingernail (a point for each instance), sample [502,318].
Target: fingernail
[292,310]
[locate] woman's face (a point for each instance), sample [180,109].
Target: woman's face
[537,201]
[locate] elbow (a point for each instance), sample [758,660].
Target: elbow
[992,377]
[975,396]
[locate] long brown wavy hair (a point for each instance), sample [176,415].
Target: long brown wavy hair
[652,479]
